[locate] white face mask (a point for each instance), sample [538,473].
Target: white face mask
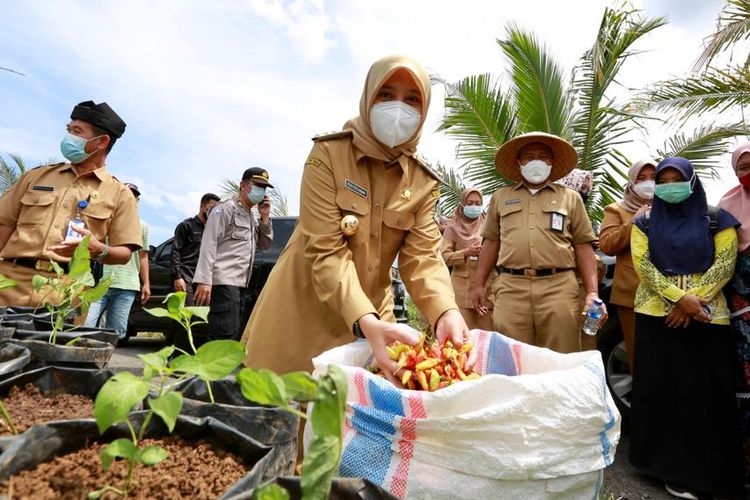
[645,189]
[394,122]
[536,171]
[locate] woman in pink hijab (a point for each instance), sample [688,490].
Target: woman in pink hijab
[737,202]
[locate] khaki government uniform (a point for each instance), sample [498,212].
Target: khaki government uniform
[39,207]
[614,239]
[538,232]
[463,277]
[324,281]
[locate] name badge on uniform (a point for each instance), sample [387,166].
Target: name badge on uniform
[513,201]
[42,188]
[356,189]
[556,221]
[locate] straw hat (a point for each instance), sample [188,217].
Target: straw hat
[506,159]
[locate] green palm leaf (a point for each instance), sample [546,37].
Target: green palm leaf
[703,146]
[542,102]
[451,187]
[733,26]
[599,124]
[715,90]
[10,172]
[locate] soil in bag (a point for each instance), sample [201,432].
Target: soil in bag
[50,393]
[268,425]
[60,460]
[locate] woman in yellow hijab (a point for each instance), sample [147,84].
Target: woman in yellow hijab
[365,199]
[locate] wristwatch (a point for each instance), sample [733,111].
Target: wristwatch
[103,254]
[357,331]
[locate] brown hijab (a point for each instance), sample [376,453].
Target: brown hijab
[461,229]
[631,202]
[379,73]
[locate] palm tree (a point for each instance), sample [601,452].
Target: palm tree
[279,203]
[10,173]
[483,114]
[709,88]
[450,190]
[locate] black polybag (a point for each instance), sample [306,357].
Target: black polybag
[268,425]
[44,442]
[343,488]
[12,359]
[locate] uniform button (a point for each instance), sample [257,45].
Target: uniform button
[531,227]
[369,268]
[354,205]
[57,226]
[531,213]
[400,221]
[532,245]
[36,200]
[373,236]
[66,205]
[377,204]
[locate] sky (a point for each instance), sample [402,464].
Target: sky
[209,88]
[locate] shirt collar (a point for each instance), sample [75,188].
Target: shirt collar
[549,184]
[101,172]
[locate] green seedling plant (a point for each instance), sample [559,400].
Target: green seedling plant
[6,282]
[8,420]
[124,391]
[184,315]
[73,290]
[328,395]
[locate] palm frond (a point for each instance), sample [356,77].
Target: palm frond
[451,186]
[715,90]
[703,146]
[229,188]
[481,115]
[598,127]
[733,26]
[10,173]
[542,102]
[11,71]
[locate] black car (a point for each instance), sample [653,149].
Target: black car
[162,283]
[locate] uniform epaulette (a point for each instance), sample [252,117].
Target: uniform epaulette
[332,135]
[50,165]
[422,162]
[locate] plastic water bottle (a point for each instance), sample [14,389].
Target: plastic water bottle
[593,316]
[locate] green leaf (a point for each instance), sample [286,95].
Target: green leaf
[300,386]
[93,294]
[81,261]
[327,418]
[262,386]
[8,283]
[152,455]
[167,407]
[155,362]
[200,311]
[38,282]
[160,312]
[271,491]
[320,464]
[119,448]
[213,360]
[117,397]
[175,301]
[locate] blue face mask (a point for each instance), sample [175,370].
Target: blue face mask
[256,194]
[74,148]
[472,211]
[674,192]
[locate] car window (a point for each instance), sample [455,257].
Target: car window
[282,231]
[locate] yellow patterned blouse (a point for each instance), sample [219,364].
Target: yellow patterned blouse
[657,294]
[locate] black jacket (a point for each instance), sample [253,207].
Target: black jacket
[186,248]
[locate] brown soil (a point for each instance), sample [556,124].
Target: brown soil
[192,470]
[28,406]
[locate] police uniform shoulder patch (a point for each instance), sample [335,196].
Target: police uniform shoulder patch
[422,162]
[332,135]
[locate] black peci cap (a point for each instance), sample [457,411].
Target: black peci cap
[99,115]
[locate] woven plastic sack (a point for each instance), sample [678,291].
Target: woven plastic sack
[538,424]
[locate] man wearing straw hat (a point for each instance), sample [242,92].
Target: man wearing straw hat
[536,233]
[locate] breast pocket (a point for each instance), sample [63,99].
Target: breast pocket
[511,218]
[354,205]
[556,219]
[97,219]
[34,206]
[241,228]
